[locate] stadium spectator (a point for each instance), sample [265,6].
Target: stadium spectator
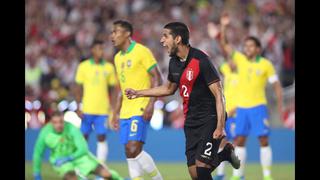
[59,33]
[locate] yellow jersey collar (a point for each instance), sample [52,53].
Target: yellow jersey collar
[102,61]
[132,44]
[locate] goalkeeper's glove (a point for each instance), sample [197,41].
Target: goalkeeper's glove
[37,176]
[62,160]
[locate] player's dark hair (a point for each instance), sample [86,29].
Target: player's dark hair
[56,113]
[255,40]
[96,42]
[179,29]
[124,24]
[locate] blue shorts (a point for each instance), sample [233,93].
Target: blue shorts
[253,119]
[98,121]
[133,129]
[230,128]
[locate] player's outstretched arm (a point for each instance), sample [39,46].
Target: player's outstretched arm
[156,81]
[278,91]
[37,154]
[216,89]
[165,90]
[224,22]
[115,115]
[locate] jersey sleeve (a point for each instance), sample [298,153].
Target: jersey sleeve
[38,151]
[238,58]
[79,141]
[112,80]
[79,78]
[271,73]
[208,71]
[148,60]
[170,76]
[224,69]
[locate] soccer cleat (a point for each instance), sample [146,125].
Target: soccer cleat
[218,177]
[234,160]
[267,178]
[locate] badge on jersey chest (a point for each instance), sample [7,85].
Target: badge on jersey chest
[258,72]
[129,63]
[189,74]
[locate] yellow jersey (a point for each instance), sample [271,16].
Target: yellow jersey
[133,67]
[230,86]
[253,76]
[95,79]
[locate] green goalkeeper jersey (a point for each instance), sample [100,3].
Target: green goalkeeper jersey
[69,143]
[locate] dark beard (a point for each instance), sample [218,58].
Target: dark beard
[174,51]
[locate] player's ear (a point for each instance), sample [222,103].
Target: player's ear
[178,39]
[127,33]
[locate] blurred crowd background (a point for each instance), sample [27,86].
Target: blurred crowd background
[59,34]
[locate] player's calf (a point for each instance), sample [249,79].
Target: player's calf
[203,170]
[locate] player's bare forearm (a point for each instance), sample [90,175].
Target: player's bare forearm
[165,90]
[223,40]
[278,90]
[216,89]
[114,91]
[118,103]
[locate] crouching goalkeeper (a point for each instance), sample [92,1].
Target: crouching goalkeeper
[69,154]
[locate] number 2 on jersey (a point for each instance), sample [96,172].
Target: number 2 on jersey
[134,126]
[185,91]
[208,150]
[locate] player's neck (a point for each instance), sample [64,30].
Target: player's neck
[96,60]
[183,52]
[125,45]
[253,58]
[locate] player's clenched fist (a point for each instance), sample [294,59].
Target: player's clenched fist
[219,133]
[131,93]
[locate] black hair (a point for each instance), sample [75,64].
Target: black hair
[56,113]
[179,29]
[97,42]
[124,24]
[255,40]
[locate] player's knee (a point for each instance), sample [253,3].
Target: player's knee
[101,138]
[240,141]
[264,141]
[105,174]
[202,164]
[70,176]
[133,150]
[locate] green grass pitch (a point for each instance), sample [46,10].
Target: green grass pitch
[178,171]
